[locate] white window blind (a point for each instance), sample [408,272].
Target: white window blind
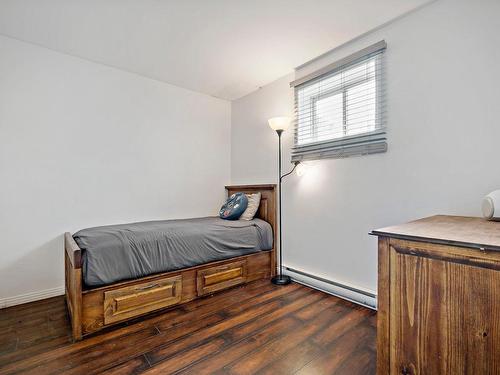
[340,110]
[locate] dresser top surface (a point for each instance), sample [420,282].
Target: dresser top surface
[452,230]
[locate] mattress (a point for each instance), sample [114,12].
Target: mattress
[127,251]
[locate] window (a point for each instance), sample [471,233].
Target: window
[340,109]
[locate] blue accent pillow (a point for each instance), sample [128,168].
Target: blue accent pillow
[234,207]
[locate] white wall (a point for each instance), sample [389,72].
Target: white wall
[443,85]
[82,144]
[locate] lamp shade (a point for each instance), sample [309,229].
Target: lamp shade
[279,123]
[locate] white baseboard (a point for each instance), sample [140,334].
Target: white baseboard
[30,297]
[357,295]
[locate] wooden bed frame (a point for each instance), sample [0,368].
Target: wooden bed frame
[94,309]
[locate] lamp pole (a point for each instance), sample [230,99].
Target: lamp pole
[280,279]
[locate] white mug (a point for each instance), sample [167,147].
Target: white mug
[491,206]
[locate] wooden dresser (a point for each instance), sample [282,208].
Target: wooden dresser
[439,297]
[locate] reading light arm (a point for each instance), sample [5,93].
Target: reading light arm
[295,163]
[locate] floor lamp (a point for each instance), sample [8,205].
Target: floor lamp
[280,124]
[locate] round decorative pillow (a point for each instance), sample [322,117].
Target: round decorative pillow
[235,205]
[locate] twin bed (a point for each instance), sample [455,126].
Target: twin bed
[119,272]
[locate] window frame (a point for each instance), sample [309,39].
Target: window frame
[309,130]
[312,108]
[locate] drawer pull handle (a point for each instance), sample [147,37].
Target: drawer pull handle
[148,287]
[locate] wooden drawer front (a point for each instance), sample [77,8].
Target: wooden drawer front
[139,299]
[216,278]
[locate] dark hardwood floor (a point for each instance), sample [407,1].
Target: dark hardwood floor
[258,328]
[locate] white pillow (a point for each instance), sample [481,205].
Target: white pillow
[253,206]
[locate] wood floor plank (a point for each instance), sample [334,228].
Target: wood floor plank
[298,357]
[252,335]
[343,351]
[28,309]
[117,351]
[211,303]
[238,307]
[87,361]
[173,364]
[34,332]
[226,327]
[257,328]
[215,362]
[161,354]
[8,343]
[293,360]
[250,310]
[360,362]
[174,317]
[132,366]
[270,352]
[40,348]
[295,304]
[342,325]
[317,308]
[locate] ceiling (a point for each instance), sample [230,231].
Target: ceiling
[223,48]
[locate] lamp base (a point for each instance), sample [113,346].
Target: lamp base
[281,280]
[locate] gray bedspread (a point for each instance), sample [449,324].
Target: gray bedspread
[126,251]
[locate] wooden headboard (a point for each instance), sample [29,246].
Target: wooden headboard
[267,208]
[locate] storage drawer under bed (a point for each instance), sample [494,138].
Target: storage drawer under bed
[212,279]
[135,300]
